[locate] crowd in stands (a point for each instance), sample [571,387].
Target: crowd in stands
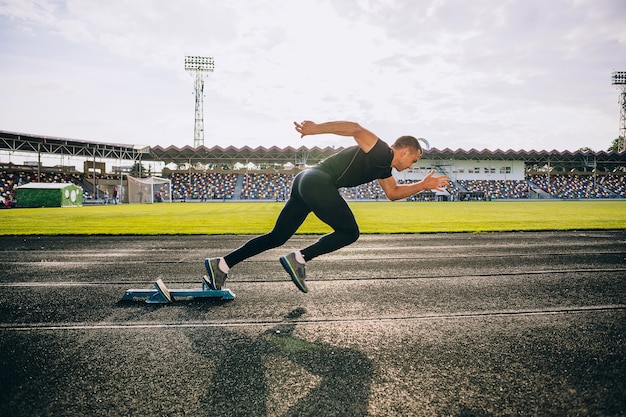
[259,186]
[275,186]
[578,186]
[498,189]
[369,191]
[203,186]
[615,183]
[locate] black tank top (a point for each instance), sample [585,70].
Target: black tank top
[351,166]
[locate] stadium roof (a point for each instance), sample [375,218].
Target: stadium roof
[23,142]
[12,141]
[311,156]
[532,156]
[231,154]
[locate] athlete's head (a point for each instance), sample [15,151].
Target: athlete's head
[406,151]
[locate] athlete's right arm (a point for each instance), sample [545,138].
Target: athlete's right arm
[363,137]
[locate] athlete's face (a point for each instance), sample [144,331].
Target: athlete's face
[404,158]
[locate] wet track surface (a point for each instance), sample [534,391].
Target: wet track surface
[406,325]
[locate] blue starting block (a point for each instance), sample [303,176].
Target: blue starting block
[162,295]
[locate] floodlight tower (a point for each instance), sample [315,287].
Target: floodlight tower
[200,66]
[618,79]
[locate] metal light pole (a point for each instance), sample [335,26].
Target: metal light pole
[618,79]
[200,66]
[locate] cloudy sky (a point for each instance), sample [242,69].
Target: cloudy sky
[508,74]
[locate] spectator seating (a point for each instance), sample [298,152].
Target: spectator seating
[614,183]
[578,186]
[203,186]
[370,191]
[499,189]
[260,186]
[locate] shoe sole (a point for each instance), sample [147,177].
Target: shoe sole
[285,263]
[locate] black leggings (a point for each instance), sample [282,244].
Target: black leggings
[312,191]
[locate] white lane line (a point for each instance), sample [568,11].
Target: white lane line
[35,284]
[314,321]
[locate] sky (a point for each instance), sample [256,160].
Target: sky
[480,74]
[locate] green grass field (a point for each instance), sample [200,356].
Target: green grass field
[259,217]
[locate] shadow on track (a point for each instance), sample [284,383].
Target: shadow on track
[338,384]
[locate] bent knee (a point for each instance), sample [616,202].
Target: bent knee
[275,238]
[352,234]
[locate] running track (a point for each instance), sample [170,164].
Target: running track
[394,325]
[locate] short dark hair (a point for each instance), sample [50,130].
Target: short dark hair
[407,142]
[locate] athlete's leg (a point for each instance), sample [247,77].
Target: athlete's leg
[322,197]
[291,217]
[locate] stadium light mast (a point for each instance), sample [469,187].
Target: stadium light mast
[618,79]
[199,66]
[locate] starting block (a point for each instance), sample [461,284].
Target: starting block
[162,295]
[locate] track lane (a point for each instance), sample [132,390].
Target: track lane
[514,324]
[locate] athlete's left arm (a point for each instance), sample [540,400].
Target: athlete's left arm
[395,191]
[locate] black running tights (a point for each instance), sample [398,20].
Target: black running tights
[312,191]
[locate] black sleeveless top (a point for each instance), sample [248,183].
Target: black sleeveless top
[351,166]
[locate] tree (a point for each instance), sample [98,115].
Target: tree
[615,145]
[139,170]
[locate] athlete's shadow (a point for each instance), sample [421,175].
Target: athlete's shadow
[239,386]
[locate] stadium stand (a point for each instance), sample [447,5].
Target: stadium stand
[579,186]
[205,174]
[276,186]
[614,183]
[203,186]
[260,186]
[495,189]
[369,191]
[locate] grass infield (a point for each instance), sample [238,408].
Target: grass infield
[259,217]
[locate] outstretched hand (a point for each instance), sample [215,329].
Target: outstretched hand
[430,182]
[305,128]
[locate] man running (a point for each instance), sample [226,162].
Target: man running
[317,190]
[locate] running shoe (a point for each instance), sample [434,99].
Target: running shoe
[295,270]
[216,278]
